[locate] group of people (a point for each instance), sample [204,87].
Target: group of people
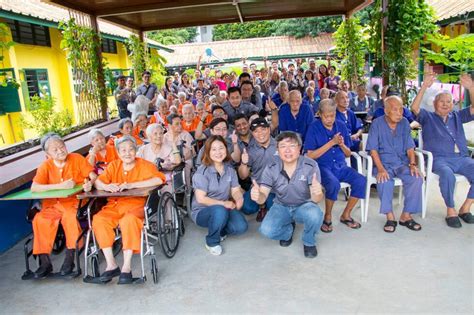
[267,148]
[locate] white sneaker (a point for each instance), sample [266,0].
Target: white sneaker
[215,250]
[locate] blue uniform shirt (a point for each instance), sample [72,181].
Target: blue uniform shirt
[439,137]
[276,98]
[361,105]
[391,146]
[352,123]
[318,136]
[314,105]
[299,124]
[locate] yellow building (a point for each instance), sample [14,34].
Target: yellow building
[37,62]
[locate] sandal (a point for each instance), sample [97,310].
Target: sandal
[411,224]
[350,223]
[467,217]
[328,225]
[390,223]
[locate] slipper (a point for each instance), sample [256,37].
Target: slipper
[350,221]
[328,227]
[411,224]
[390,223]
[453,222]
[467,217]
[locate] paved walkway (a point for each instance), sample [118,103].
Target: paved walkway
[364,271]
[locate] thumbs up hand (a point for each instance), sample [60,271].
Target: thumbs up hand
[255,191]
[315,188]
[245,157]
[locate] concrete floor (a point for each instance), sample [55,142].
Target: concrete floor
[357,271]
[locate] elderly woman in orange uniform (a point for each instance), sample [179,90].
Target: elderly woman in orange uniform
[125,126]
[62,170]
[100,153]
[128,172]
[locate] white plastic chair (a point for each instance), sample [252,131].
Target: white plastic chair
[430,176]
[371,180]
[345,185]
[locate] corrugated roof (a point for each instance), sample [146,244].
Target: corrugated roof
[446,9]
[188,54]
[47,12]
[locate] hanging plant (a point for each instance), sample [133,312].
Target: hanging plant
[351,46]
[137,51]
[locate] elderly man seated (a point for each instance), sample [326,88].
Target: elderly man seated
[392,150]
[328,142]
[443,135]
[348,117]
[295,180]
[295,116]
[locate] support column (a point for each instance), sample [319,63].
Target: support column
[100,70]
[385,75]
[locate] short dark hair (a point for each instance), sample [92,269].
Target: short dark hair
[244,75]
[206,156]
[233,89]
[289,135]
[146,72]
[170,118]
[121,77]
[216,107]
[217,121]
[240,116]
[246,82]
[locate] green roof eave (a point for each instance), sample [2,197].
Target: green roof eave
[457,19]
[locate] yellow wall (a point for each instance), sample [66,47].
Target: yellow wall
[53,59]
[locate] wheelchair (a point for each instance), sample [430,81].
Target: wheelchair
[58,245]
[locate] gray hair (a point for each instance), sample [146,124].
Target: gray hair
[326,90]
[188,106]
[392,98]
[327,105]
[295,92]
[124,139]
[123,121]
[140,114]
[181,94]
[94,133]
[47,137]
[441,93]
[289,135]
[152,128]
[160,102]
[282,84]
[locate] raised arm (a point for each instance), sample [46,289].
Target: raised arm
[467,82]
[428,80]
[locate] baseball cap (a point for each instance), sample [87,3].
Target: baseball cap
[259,122]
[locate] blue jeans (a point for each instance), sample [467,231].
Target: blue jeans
[277,222]
[250,206]
[221,221]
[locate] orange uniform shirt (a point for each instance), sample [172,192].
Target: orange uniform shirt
[180,107]
[110,155]
[154,120]
[76,167]
[136,135]
[114,173]
[191,126]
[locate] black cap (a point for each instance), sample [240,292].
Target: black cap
[392,91]
[259,122]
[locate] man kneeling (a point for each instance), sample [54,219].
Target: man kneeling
[295,180]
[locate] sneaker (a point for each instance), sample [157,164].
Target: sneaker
[45,267]
[310,251]
[287,243]
[214,250]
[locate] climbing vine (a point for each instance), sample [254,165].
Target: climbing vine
[5,45]
[351,46]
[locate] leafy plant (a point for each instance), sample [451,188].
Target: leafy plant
[5,45]
[351,46]
[408,21]
[174,36]
[43,118]
[137,53]
[457,53]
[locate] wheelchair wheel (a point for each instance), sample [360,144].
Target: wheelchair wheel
[168,225]
[95,266]
[154,270]
[59,241]
[182,228]
[117,247]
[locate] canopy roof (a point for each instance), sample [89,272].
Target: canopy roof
[147,15]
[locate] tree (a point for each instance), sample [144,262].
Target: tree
[242,30]
[351,47]
[302,27]
[173,36]
[408,21]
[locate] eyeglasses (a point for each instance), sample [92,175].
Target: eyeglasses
[288,146]
[220,129]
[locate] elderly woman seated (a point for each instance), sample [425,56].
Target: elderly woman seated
[190,120]
[157,148]
[62,170]
[125,126]
[139,130]
[100,153]
[160,115]
[218,196]
[128,172]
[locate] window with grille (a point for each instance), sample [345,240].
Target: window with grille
[30,34]
[109,46]
[37,82]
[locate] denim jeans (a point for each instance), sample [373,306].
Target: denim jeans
[277,222]
[221,221]
[251,207]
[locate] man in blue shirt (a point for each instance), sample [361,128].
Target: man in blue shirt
[361,102]
[348,117]
[392,150]
[443,135]
[295,116]
[328,142]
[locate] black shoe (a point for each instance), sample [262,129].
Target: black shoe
[310,251]
[125,278]
[453,222]
[467,217]
[109,275]
[45,267]
[68,265]
[262,212]
[288,242]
